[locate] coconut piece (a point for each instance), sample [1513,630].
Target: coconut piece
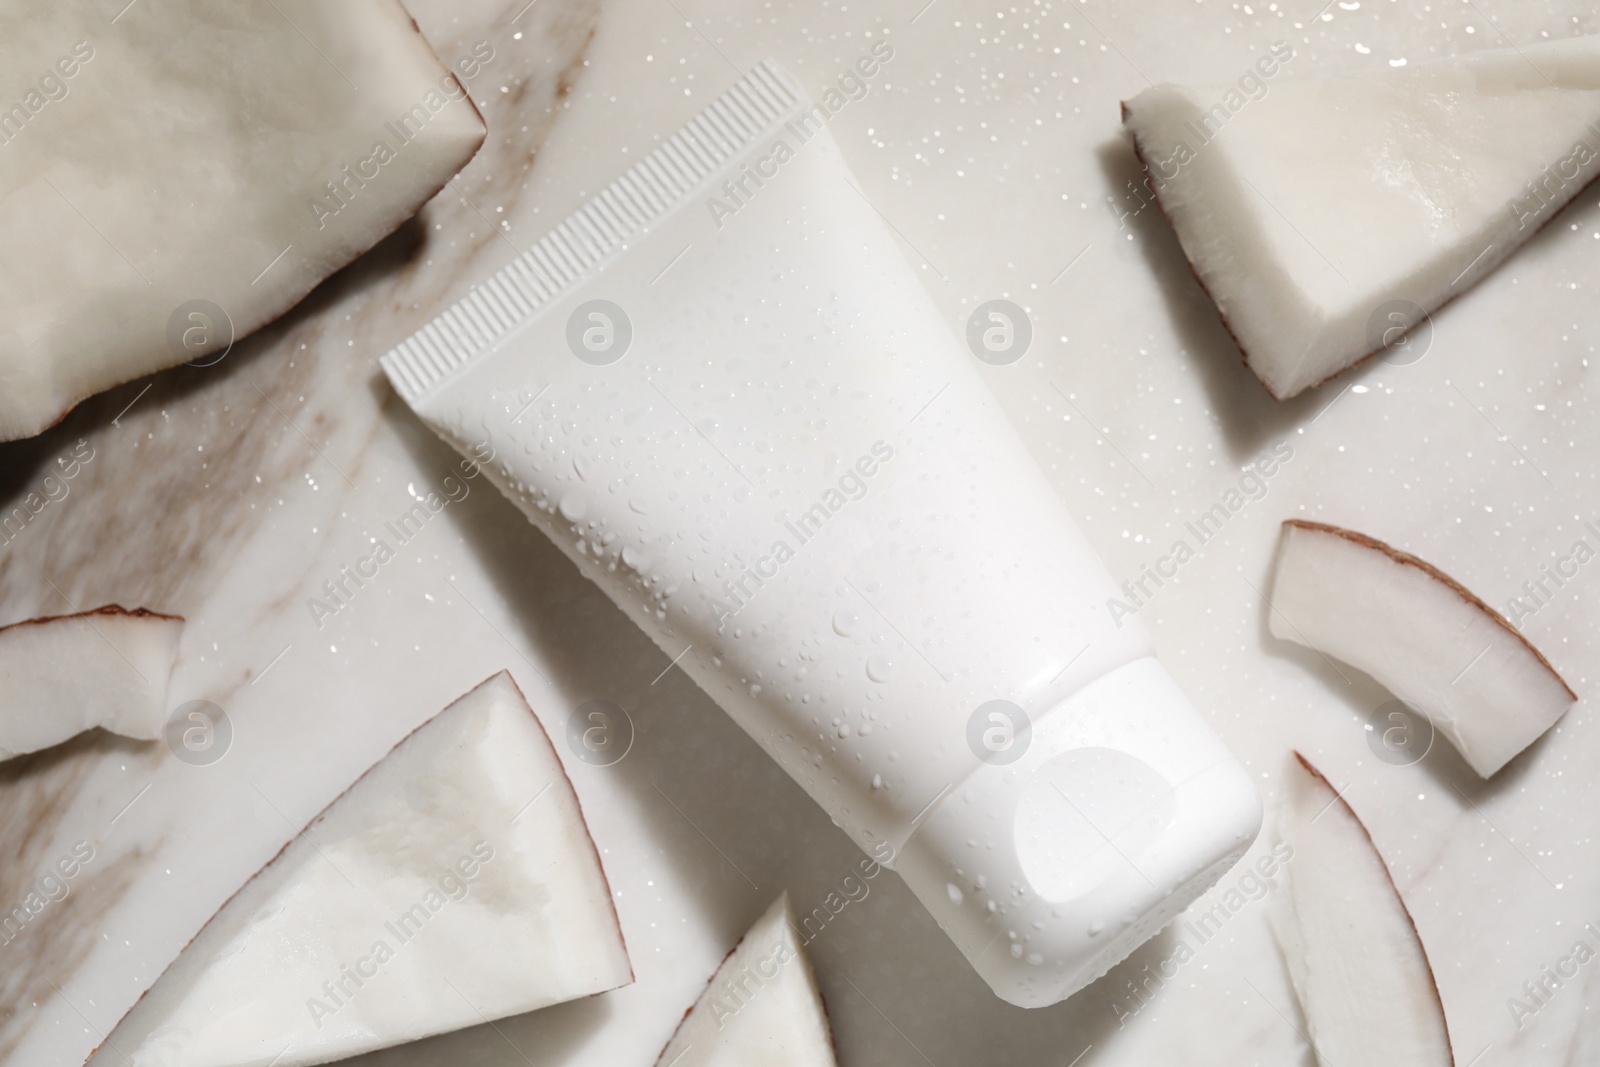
[1327,216]
[455,883]
[761,1008]
[1421,634]
[64,674]
[175,177]
[1364,983]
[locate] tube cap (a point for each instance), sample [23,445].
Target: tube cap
[1049,870]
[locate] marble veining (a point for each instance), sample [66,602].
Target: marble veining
[230,494]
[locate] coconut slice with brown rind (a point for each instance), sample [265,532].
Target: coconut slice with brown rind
[64,674]
[761,1008]
[176,175]
[454,884]
[1427,638]
[1365,986]
[1327,216]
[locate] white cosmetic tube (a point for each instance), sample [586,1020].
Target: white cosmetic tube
[721,390]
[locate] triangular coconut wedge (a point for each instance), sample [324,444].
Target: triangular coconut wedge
[1325,215]
[1364,983]
[178,174]
[65,674]
[1419,633]
[761,1009]
[454,883]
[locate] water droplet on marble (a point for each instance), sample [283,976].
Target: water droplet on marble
[879,668]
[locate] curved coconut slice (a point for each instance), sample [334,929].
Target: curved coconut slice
[454,883]
[280,139]
[1325,216]
[65,674]
[1421,634]
[1359,970]
[762,1007]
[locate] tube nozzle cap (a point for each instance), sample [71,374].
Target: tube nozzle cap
[1049,870]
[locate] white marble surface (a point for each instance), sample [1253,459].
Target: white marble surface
[991,144]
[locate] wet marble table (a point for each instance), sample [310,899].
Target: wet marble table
[991,143]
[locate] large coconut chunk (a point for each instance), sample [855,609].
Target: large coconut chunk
[761,1009]
[454,883]
[1421,634]
[1359,971]
[65,674]
[182,173]
[1326,216]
